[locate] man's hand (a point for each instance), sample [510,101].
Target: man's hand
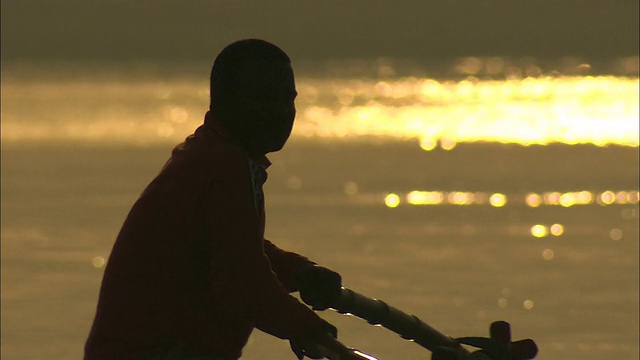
[319,287]
[312,349]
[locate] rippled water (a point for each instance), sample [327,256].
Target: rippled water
[416,188]
[519,106]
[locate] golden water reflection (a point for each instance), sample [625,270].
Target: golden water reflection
[533,200]
[600,110]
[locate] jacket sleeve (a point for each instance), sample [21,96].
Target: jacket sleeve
[285,264]
[242,278]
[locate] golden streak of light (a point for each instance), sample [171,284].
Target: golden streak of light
[570,110]
[425,197]
[599,110]
[576,198]
[534,200]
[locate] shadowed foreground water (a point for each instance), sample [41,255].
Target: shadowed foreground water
[457,267]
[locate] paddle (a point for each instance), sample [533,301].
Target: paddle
[410,327]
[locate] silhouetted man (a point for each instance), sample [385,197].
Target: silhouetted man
[190,274]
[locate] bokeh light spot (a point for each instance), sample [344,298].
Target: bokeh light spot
[350,188]
[551,198]
[629,213]
[607,198]
[622,197]
[498,200]
[533,200]
[502,302]
[585,197]
[392,200]
[460,198]
[548,254]
[428,144]
[556,229]
[469,65]
[615,234]
[539,231]
[447,144]
[567,199]
[528,304]
[98,262]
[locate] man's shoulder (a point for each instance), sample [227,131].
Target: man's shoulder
[195,165]
[208,152]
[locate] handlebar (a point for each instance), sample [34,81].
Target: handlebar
[410,327]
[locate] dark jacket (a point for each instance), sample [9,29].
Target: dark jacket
[191,268]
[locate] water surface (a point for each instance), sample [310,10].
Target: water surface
[462,199]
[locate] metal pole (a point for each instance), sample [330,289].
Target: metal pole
[409,327]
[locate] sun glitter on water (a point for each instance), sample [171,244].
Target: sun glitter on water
[571,110]
[599,110]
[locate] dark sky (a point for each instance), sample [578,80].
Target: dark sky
[319,29]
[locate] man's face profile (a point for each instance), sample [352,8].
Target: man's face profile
[266,103]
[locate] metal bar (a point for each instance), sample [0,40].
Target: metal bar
[409,327]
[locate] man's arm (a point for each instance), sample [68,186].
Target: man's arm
[319,287]
[241,271]
[286,265]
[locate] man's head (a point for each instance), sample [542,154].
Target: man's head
[253,92]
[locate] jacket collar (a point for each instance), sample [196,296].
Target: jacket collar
[214,124]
